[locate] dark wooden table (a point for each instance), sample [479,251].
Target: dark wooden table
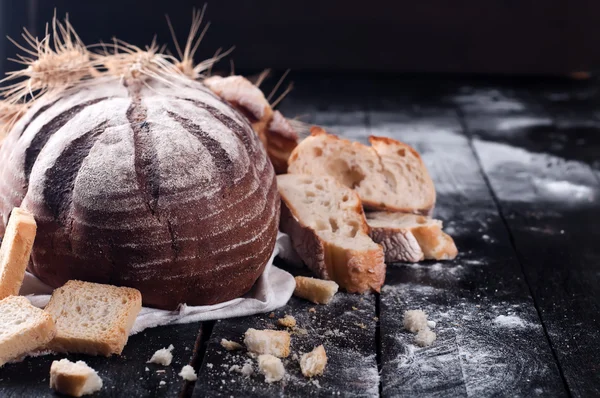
[517,170]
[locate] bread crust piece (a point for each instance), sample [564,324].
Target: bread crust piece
[34,330]
[356,271]
[389,175]
[411,238]
[15,251]
[77,332]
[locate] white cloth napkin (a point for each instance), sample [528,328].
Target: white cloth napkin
[271,291]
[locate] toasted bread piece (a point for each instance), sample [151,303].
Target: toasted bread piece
[318,291]
[287,321]
[313,363]
[388,175]
[92,318]
[275,132]
[326,223]
[74,378]
[410,237]
[23,328]
[273,342]
[15,251]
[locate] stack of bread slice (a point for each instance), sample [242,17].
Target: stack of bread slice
[331,179]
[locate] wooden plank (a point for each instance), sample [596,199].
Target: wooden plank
[124,375]
[490,341]
[548,200]
[348,335]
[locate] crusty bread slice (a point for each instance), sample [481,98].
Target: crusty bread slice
[74,378]
[389,175]
[92,318]
[23,328]
[15,251]
[410,237]
[327,225]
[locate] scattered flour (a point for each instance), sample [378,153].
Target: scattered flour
[509,321]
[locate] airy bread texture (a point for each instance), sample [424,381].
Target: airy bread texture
[74,378]
[15,251]
[313,363]
[23,328]
[388,175]
[318,291]
[92,318]
[410,237]
[271,342]
[326,223]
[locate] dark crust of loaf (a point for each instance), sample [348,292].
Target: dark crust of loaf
[306,243]
[197,264]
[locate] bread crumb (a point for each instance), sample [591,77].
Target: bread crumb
[163,356]
[230,345]
[188,373]
[161,371]
[271,367]
[314,362]
[354,308]
[361,325]
[162,383]
[425,337]
[234,368]
[415,320]
[312,309]
[287,321]
[147,369]
[272,315]
[74,378]
[273,342]
[318,291]
[209,365]
[431,324]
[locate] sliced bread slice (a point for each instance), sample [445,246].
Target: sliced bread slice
[410,237]
[92,318]
[15,251]
[327,225]
[389,175]
[23,328]
[74,378]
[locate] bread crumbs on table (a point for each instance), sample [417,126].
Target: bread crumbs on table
[312,309]
[354,308]
[361,325]
[272,315]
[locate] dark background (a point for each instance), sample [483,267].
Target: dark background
[554,37]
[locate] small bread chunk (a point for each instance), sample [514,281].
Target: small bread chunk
[425,337]
[318,291]
[410,237]
[273,342]
[163,357]
[328,229]
[415,320]
[15,251]
[388,175]
[271,367]
[188,373]
[230,345]
[74,378]
[23,328]
[287,321]
[314,362]
[92,318]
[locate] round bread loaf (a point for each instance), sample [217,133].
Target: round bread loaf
[157,186]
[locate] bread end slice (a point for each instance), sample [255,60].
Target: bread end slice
[23,329]
[15,251]
[92,318]
[410,237]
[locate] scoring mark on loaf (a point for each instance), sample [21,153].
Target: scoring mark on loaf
[48,130]
[60,179]
[36,114]
[219,155]
[145,156]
